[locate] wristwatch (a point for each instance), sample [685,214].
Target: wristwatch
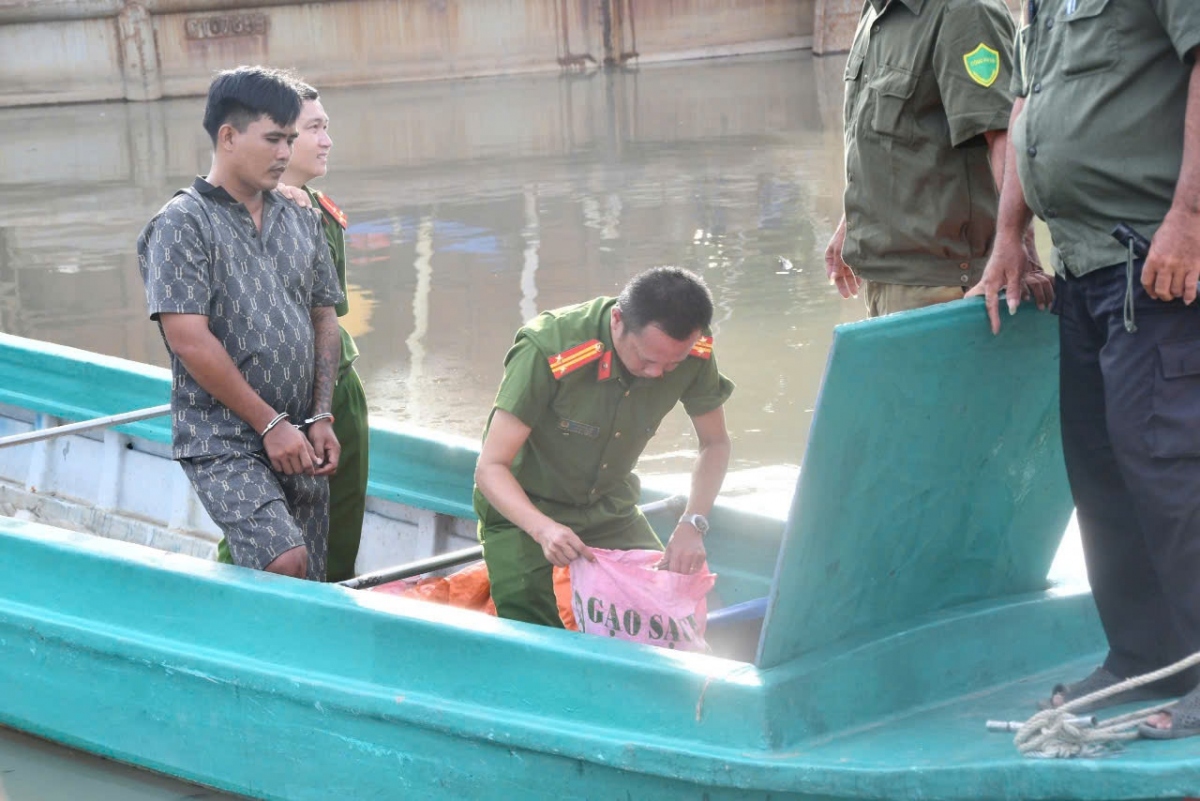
[699,521]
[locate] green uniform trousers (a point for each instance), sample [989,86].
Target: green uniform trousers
[348,487]
[523,581]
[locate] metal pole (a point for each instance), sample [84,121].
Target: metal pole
[451,559]
[676,503]
[85,425]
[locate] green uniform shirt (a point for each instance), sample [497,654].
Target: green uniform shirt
[924,80]
[590,426]
[1100,140]
[336,237]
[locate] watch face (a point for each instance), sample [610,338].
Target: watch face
[700,523]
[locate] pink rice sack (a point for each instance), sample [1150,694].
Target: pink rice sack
[622,595]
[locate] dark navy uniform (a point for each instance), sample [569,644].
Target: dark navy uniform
[1100,141]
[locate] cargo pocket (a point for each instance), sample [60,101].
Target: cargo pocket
[1175,415]
[1090,41]
[892,90]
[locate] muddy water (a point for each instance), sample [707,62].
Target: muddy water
[474,205]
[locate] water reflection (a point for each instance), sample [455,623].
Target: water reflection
[474,205]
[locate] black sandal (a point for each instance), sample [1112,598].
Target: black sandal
[1185,720]
[1098,680]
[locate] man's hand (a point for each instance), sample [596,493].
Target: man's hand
[838,271]
[293,562]
[1015,268]
[685,550]
[1004,270]
[1173,265]
[289,451]
[1037,284]
[296,195]
[561,545]
[326,447]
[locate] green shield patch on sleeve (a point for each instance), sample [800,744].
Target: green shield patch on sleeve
[983,65]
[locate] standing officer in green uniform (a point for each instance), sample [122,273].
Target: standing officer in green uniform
[348,486]
[1107,131]
[585,388]
[926,113]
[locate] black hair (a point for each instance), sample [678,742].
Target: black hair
[306,92]
[675,300]
[243,95]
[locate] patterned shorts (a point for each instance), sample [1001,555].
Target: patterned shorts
[263,513]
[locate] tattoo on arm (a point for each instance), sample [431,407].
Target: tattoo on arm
[328,346]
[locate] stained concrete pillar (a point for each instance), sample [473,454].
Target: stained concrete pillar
[833,25]
[139,53]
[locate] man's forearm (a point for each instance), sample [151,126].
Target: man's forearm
[707,477]
[1014,214]
[327,347]
[998,155]
[210,365]
[1187,190]
[508,497]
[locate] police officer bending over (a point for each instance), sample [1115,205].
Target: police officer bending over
[584,389]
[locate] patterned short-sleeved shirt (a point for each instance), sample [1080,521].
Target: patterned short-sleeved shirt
[202,254]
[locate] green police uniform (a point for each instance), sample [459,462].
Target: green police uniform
[1087,161]
[590,420]
[348,487]
[924,80]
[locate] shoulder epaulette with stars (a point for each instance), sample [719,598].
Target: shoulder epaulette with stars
[337,214]
[572,359]
[703,348]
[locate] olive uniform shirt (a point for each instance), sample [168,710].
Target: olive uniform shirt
[591,422]
[1100,140]
[333,220]
[924,80]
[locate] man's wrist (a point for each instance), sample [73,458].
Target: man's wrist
[1184,208]
[1011,238]
[322,417]
[276,420]
[697,521]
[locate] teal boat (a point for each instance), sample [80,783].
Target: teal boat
[902,603]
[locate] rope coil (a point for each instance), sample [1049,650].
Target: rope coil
[1059,733]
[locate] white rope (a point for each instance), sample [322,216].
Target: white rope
[1058,733]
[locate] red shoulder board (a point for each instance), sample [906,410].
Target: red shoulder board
[337,214]
[702,349]
[571,360]
[604,369]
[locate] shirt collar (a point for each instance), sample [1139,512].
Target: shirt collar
[616,368]
[218,192]
[914,6]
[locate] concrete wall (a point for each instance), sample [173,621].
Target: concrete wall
[57,51]
[835,21]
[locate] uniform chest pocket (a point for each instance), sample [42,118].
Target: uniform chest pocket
[1089,38]
[892,92]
